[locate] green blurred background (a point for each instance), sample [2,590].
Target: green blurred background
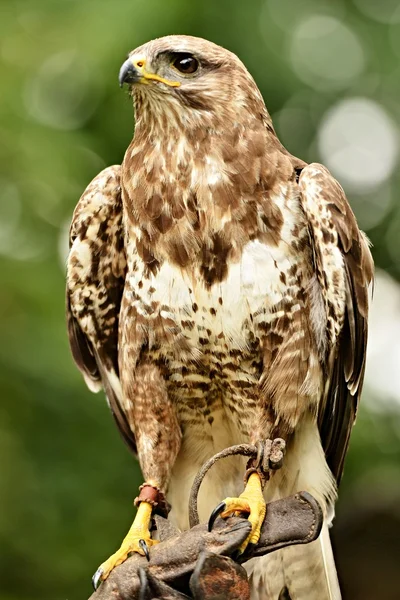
[329,72]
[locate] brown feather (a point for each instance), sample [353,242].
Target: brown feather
[338,411]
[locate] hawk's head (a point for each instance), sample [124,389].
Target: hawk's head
[190,78]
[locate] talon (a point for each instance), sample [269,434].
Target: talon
[217,511]
[145,549]
[137,540]
[252,502]
[96,578]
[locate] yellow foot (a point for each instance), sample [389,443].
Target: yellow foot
[251,501]
[137,540]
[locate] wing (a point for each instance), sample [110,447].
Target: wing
[344,269]
[96,271]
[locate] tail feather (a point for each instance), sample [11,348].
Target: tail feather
[331,578]
[296,573]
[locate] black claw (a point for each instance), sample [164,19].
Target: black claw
[145,549]
[217,511]
[96,578]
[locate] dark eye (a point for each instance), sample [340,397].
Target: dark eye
[186,64]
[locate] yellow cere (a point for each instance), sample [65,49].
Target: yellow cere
[140,64]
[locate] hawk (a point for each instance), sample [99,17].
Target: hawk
[217,290]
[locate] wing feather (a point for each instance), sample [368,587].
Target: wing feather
[96,272]
[344,268]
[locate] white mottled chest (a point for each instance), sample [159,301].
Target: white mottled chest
[251,292]
[254,286]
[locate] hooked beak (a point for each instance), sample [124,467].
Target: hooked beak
[128,73]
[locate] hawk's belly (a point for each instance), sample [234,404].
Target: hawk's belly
[207,340]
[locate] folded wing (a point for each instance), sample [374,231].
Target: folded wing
[96,272]
[344,269]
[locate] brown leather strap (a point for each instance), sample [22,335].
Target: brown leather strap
[270,455]
[250,470]
[154,496]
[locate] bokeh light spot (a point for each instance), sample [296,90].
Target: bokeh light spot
[384,11]
[325,53]
[383,357]
[282,13]
[392,240]
[359,142]
[64,92]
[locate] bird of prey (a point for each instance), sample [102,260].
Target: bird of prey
[217,292]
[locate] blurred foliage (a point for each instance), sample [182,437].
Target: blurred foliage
[67,481]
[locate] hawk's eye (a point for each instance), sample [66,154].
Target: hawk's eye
[186,64]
